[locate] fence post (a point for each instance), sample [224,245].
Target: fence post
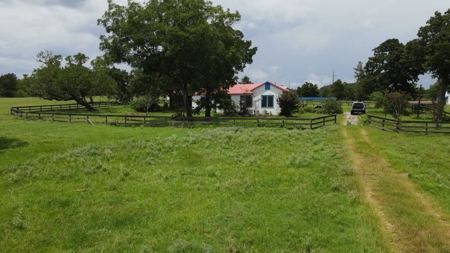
[323,120]
[53,117]
[335,119]
[382,123]
[106,119]
[397,126]
[311,124]
[70,118]
[125,120]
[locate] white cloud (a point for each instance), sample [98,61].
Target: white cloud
[320,80]
[306,40]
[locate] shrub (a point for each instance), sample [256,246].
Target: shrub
[331,106]
[379,98]
[396,104]
[228,107]
[288,102]
[145,104]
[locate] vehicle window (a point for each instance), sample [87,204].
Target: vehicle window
[358,105]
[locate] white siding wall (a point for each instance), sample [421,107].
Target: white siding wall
[236,99]
[195,98]
[257,93]
[448,97]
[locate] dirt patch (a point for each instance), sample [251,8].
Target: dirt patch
[350,119]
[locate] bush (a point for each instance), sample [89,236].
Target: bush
[309,109]
[228,107]
[330,106]
[288,102]
[396,104]
[379,98]
[144,104]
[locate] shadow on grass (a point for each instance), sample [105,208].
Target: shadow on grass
[6,143]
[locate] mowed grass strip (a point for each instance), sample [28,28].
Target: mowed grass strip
[199,190]
[424,159]
[413,220]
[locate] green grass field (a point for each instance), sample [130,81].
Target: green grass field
[82,188]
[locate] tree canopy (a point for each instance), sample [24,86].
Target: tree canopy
[338,89]
[390,68]
[308,90]
[434,45]
[190,42]
[73,81]
[360,75]
[8,85]
[245,80]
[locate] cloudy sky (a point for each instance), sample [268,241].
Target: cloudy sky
[297,40]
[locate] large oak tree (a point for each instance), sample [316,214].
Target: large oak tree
[434,41]
[190,42]
[390,68]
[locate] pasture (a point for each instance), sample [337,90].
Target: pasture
[83,188]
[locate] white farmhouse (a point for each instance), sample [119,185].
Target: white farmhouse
[259,98]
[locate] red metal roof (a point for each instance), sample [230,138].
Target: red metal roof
[248,88]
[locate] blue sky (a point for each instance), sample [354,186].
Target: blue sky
[297,40]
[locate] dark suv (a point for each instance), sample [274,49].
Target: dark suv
[358,107]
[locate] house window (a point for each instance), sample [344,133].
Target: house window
[267,86]
[267,101]
[246,100]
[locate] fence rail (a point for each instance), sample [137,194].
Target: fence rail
[409,126]
[61,107]
[159,121]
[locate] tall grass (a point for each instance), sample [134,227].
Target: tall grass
[107,189]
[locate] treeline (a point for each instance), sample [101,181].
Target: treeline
[354,92]
[11,86]
[395,68]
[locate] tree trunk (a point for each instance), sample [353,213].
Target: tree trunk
[208,105]
[441,100]
[171,101]
[187,102]
[85,104]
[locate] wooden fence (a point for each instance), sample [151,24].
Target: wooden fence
[155,121]
[409,126]
[51,108]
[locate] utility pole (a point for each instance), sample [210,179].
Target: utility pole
[333,77]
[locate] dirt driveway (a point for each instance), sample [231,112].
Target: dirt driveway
[350,119]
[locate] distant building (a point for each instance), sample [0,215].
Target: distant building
[258,98]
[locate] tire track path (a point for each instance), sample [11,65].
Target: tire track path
[410,220]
